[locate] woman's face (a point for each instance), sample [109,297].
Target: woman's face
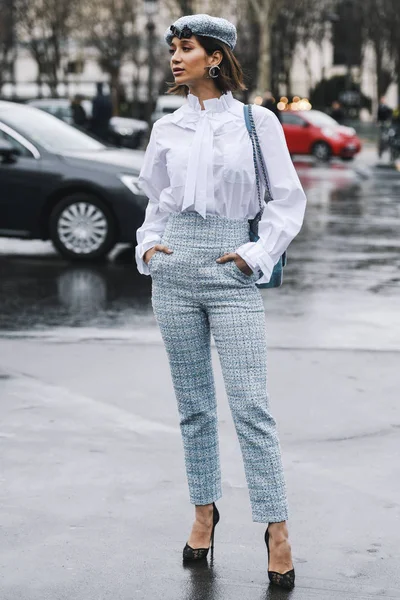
[189,60]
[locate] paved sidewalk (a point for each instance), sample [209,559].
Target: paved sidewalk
[93,492]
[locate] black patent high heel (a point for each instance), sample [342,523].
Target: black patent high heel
[190,553]
[283,580]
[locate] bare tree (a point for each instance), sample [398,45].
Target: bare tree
[375,19]
[247,45]
[266,13]
[279,27]
[7,42]
[381,24]
[44,26]
[110,27]
[392,26]
[297,23]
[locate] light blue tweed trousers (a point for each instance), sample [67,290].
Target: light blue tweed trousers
[193,295]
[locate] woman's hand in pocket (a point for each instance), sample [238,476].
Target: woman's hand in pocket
[240,263]
[157,248]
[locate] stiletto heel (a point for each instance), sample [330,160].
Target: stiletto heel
[283,580]
[190,553]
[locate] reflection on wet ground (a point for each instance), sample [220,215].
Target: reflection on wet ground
[350,238]
[347,254]
[47,292]
[204,583]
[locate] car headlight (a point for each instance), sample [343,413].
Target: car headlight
[330,133]
[132,183]
[123,131]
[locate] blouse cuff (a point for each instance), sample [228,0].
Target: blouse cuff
[257,259]
[140,251]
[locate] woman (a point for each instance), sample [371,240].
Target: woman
[199,176]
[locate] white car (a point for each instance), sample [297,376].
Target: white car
[167,104]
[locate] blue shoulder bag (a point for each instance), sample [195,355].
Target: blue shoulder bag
[277,273]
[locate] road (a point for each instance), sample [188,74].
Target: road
[93,497]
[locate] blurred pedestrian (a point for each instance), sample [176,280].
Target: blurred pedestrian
[337,112]
[396,117]
[195,242]
[384,112]
[101,113]
[394,137]
[383,120]
[79,116]
[270,103]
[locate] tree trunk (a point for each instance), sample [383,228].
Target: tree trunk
[379,68]
[39,81]
[398,73]
[114,87]
[264,63]
[135,98]
[53,84]
[398,89]
[275,62]
[288,83]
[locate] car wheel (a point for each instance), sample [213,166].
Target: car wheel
[82,228]
[321,151]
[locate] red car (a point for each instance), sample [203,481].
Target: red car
[314,132]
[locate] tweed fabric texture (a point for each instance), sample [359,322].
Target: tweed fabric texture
[192,297]
[205,25]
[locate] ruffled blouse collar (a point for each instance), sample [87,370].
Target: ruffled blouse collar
[219,105]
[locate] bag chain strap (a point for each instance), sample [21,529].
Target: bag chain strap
[257,152]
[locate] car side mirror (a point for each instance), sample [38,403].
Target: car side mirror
[8,154]
[306,124]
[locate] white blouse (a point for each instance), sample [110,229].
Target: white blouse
[202,160]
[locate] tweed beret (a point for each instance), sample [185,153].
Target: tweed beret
[205,25]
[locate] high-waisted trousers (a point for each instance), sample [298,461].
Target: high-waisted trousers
[193,296]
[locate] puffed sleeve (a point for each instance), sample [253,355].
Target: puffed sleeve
[283,217]
[153,179]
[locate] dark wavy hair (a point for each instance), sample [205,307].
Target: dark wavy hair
[230,77]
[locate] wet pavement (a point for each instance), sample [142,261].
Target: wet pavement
[93,494]
[341,283]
